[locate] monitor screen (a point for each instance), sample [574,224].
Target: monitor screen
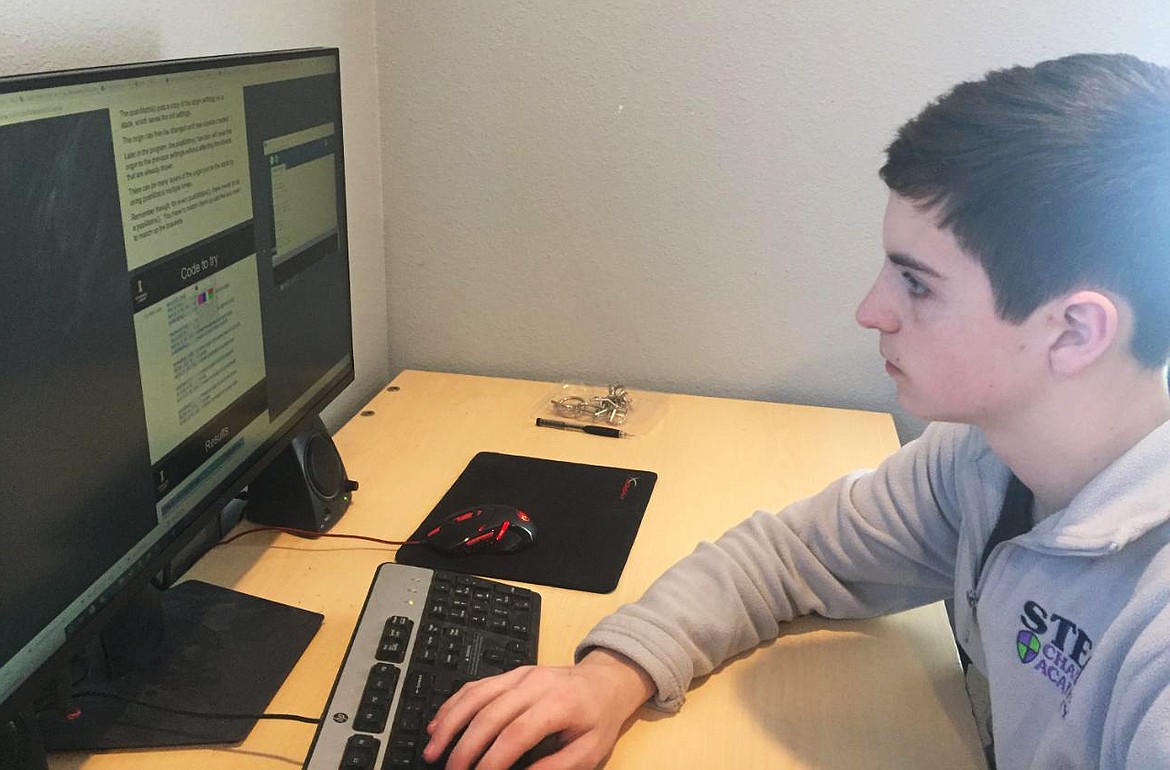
[174,299]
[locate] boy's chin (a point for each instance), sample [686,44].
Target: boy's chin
[923,411]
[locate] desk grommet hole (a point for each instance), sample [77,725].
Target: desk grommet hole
[393,389]
[367,413]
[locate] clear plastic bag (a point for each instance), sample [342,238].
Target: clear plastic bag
[635,413]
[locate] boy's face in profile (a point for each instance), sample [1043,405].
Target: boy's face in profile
[950,355]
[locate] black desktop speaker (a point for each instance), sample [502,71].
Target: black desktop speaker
[305,487]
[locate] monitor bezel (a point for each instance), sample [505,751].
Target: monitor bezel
[194,524]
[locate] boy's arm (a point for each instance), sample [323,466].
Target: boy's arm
[1150,746]
[870,544]
[1137,723]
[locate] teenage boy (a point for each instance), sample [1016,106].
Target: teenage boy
[1024,307]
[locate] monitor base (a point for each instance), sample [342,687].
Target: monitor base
[20,743]
[222,652]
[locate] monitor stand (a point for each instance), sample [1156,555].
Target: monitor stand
[216,651]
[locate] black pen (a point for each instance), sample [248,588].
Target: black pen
[593,430]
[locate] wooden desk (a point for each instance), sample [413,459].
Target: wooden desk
[885,693]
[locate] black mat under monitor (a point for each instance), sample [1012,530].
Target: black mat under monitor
[586,517]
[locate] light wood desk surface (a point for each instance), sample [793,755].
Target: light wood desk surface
[884,693]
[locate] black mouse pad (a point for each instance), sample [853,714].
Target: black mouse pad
[586,518]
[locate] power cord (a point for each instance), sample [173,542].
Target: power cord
[73,711]
[311,534]
[183,712]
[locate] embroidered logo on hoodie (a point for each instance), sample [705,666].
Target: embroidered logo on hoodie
[1054,646]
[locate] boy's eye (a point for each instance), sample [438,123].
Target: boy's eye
[915,287]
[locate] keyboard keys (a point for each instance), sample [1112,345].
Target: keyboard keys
[383,677]
[418,684]
[372,719]
[395,636]
[454,629]
[361,751]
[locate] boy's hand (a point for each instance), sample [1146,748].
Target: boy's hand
[504,716]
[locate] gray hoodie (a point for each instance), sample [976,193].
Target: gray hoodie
[1070,622]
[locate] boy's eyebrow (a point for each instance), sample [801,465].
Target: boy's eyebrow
[905,260]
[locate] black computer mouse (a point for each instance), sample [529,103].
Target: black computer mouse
[482,529]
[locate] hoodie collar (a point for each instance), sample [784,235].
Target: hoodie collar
[1124,502]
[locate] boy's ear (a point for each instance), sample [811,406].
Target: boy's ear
[1087,324]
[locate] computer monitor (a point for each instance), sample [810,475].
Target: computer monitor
[174,307]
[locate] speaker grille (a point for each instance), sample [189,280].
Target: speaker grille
[323,467]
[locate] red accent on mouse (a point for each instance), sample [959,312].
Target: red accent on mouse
[483,529]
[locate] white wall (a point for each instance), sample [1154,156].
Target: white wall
[55,34]
[679,195]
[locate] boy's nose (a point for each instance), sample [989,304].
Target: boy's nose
[875,313]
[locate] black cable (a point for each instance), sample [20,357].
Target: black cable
[43,706]
[308,533]
[198,714]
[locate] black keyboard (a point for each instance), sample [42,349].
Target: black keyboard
[421,635]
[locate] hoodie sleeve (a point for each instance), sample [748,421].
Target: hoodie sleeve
[1137,721]
[871,543]
[1150,746]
